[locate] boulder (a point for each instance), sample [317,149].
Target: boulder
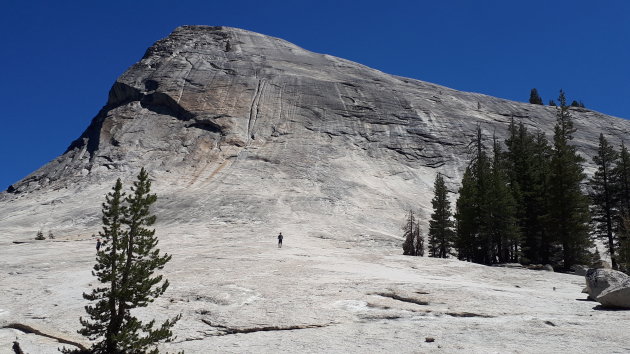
[617,295]
[580,269]
[598,280]
[548,268]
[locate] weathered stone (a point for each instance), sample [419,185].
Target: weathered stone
[616,295]
[598,280]
[547,268]
[580,269]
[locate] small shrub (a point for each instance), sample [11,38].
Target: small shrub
[40,235]
[50,235]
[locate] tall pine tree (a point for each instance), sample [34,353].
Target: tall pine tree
[441,231]
[527,168]
[466,225]
[126,265]
[621,181]
[604,204]
[568,215]
[504,223]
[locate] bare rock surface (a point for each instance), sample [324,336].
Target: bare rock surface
[238,292]
[247,135]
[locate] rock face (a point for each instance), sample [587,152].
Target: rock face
[599,279]
[239,127]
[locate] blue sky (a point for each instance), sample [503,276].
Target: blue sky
[60,58]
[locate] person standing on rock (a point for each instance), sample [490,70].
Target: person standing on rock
[98,244]
[280,237]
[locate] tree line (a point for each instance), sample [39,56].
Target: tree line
[524,200]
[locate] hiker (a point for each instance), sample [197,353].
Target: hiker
[98,244]
[280,237]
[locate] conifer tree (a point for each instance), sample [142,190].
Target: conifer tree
[466,225]
[621,181]
[552,103]
[126,265]
[502,209]
[441,231]
[624,245]
[604,205]
[568,214]
[419,241]
[534,97]
[527,166]
[409,246]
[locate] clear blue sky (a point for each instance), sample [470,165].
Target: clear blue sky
[60,58]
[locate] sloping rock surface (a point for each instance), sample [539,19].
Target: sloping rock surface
[238,127]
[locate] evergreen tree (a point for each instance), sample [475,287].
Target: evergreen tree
[466,225]
[40,235]
[441,231]
[624,245]
[539,206]
[409,245]
[419,241]
[534,97]
[502,209]
[552,103]
[126,265]
[621,181]
[604,205]
[568,214]
[473,216]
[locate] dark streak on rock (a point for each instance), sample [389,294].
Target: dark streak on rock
[467,314]
[225,330]
[402,298]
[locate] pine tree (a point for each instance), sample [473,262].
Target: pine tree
[126,264]
[409,247]
[40,235]
[604,205]
[621,181]
[552,103]
[466,225]
[504,223]
[419,241]
[568,213]
[534,97]
[441,231]
[624,244]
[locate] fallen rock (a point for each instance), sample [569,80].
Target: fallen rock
[617,295]
[548,268]
[580,269]
[598,280]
